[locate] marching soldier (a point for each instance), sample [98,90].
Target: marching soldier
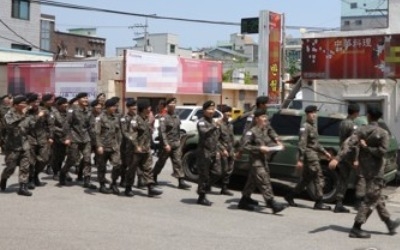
[17,146]
[140,136]
[5,105]
[256,141]
[308,160]
[373,143]
[208,156]
[170,141]
[77,129]
[227,141]
[107,130]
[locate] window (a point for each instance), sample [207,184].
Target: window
[21,46]
[353,6]
[328,126]
[20,9]
[45,35]
[346,23]
[172,48]
[358,22]
[286,124]
[79,52]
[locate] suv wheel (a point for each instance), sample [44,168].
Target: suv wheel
[190,166]
[330,190]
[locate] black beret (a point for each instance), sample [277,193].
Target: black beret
[143,104]
[81,95]
[115,98]
[47,97]
[57,98]
[5,96]
[173,99]
[208,104]
[61,100]
[226,108]
[72,101]
[131,102]
[111,102]
[374,111]
[259,112]
[19,98]
[94,103]
[262,100]
[101,94]
[311,108]
[31,97]
[353,108]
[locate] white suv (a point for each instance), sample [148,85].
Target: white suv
[189,116]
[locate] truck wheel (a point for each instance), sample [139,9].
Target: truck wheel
[189,165]
[330,190]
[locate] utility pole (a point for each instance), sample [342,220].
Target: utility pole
[146,41]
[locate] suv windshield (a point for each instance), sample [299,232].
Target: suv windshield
[328,126]
[183,113]
[286,124]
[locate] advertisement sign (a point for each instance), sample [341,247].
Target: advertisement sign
[274,62]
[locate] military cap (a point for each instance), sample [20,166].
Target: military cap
[72,100]
[353,108]
[143,104]
[19,98]
[208,104]
[374,111]
[226,108]
[311,109]
[94,103]
[173,99]
[57,98]
[47,97]
[259,112]
[111,102]
[115,98]
[61,100]
[81,95]
[262,100]
[5,96]
[131,102]
[31,97]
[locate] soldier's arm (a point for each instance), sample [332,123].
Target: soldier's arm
[51,125]
[303,141]
[68,124]
[163,131]
[124,123]
[272,133]
[97,130]
[380,150]
[248,143]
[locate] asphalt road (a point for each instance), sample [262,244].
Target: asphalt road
[75,218]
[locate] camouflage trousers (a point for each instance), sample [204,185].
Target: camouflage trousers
[142,161]
[312,173]
[75,152]
[14,159]
[176,155]
[373,199]
[259,177]
[227,164]
[114,158]
[209,167]
[59,152]
[39,158]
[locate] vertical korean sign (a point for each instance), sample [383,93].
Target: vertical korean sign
[275,34]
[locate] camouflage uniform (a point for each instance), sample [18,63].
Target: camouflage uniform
[126,144]
[59,148]
[169,132]
[107,136]
[3,111]
[208,156]
[227,141]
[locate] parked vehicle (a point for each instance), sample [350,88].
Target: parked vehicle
[287,123]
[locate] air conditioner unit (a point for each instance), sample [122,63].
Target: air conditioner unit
[89,53]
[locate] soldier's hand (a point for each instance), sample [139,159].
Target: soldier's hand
[332,164]
[328,155]
[138,149]
[41,113]
[299,165]
[100,150]
[167,148]
[67,142]
[264,149]
[50,141]
[363,143]
[225,153]
[355,164]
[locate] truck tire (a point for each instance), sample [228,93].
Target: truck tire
[190,166]
[331,185]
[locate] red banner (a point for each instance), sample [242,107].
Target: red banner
[364,57]
[274,68]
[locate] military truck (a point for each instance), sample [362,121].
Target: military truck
[287,123]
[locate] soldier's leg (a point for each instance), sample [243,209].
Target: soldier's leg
[131,173]
[73,157]
[319,182]
[86,150]
[176,160]
[306,177]
[59,150]
[115,160]
[203,165]
[11,159]
[23,173]
[42,161]
[344,170]
[102,166]
[146,167]
[33,153]
[215,170]
[361,187]
[162,159]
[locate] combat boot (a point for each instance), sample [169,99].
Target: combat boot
[62,179]
[202,200]
[319,205]
[339,208]
[275,206]
[103,189]
[392,225]
[183,184]
[155,179]
[251,201]
[225,191]
[290,200]
[128,191]
[3,184]
[23,190]
[152,191]
[31,183]
[245,204]
[37,181]
[122,182]
[79,178]
[87,184]
[114,188]
[140,183]
[357,232]
[69,178]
